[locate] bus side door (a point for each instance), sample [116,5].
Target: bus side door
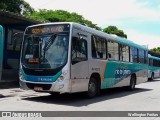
[79,61]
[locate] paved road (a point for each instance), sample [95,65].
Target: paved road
[146,97]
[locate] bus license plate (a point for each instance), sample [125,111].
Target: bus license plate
[38,88]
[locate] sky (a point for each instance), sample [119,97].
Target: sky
[139,19]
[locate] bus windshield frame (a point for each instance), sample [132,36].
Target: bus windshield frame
[45,49]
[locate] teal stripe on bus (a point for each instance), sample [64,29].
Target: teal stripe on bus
[117,71]
[43,79]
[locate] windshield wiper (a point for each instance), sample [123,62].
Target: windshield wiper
[50,42]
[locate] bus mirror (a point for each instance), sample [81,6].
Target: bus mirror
[17,40]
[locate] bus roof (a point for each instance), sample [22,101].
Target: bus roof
[98,33]
[130,43]
[153,57]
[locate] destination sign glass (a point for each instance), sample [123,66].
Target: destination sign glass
[48,29]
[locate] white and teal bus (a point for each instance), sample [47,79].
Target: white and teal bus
[69,57]
[154,67]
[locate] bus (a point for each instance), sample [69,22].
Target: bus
[1,49]
[69,57]
[153,67]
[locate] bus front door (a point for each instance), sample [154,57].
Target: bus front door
[79,61]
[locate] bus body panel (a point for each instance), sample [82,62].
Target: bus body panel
[118,74]
[98,66]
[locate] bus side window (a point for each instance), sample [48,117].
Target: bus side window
[113,50]
[79,50]
[98,47]
[94,53]
[124,53]
[141,56]
[134,54]
[145,58]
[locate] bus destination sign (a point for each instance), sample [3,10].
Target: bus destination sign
[48,29]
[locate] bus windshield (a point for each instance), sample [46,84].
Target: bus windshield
[45,50]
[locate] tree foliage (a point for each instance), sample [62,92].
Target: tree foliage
[61,16]
[114,30]
[54,16]
[156,50]
[13,6]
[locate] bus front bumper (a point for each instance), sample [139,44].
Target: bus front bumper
[61,87]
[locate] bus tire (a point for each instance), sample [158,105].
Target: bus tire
[152,76]
[92,88]
[132,85]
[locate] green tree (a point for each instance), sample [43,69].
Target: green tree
[61,16]
[13,6]
[156,50]
[114,30]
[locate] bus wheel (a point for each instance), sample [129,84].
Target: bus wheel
[92,88]
[131,87]
[152,76]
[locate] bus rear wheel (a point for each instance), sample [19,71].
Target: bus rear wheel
[152,76]
[92,88]
[132,85]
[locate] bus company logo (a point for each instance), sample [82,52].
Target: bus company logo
[6,114]
[21,114]
[45,79]
[122,72]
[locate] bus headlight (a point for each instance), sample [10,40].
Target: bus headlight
[62,76]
